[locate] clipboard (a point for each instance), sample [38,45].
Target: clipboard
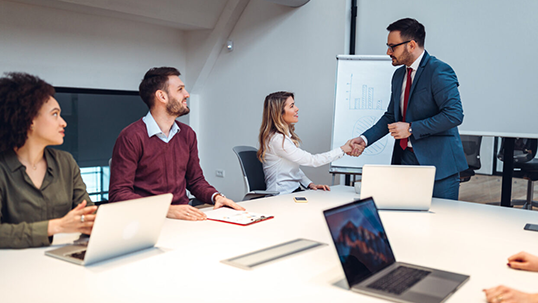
[232,216]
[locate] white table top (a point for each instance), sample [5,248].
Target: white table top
[457,236]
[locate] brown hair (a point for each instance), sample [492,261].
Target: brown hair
[155,79]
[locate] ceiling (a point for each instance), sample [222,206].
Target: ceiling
[180,14]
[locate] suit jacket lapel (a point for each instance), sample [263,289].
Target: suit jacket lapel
[398,81]
[420,69]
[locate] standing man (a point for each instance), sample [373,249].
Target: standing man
[424,110]
[158,154]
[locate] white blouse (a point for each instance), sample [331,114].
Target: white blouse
[281,165]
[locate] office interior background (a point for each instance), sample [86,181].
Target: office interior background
[96,52]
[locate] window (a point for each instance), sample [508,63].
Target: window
[97,179]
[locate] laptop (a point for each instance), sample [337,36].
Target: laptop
[369,263]
[403,187]
[119,228]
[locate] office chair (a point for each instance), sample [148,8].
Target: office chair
[471,147]
[525,166]
[253,173]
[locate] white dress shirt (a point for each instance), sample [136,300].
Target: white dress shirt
[414,67]
[282,161]
[155,130]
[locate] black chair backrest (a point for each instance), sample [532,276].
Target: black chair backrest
[524,150]
[251,166]
[471,147]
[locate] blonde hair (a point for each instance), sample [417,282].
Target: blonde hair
[273,122]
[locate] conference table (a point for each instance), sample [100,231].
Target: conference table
[463,237]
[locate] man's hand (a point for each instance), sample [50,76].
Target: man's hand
[508,295]
[185,212]
[523,261]
[399,130]
[221,201]
[358,145]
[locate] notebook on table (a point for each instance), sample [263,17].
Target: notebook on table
[403,187]
[369,263]
[119,228]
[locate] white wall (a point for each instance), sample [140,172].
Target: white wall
[275,48]
[78,50]
[490,44]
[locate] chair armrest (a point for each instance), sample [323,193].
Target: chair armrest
[265,192]
[259,194]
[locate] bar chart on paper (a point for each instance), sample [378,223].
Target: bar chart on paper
[366,99]
[362,97]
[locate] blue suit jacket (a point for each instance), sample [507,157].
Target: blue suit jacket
[435,111]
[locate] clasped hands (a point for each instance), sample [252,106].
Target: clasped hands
[79,220]
[355,147]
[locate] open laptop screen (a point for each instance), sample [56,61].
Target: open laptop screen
[360,239]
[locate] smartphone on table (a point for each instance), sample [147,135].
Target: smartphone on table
[532,227]
[300,199]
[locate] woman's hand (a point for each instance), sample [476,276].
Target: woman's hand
[509,295]
[79,220]
[347,148]
[319,186]
[523,261]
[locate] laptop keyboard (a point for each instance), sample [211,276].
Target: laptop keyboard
[78,255]
[399,280]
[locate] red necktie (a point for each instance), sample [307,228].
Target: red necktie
[403,142]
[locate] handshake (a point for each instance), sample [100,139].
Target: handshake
[354,147]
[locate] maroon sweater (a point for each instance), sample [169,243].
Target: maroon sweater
[143,166]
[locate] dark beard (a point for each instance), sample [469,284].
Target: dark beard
[405,58]
[176,109]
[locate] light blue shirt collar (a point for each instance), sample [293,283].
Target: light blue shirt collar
[154,130]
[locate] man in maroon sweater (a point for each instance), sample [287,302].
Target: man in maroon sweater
[157,154]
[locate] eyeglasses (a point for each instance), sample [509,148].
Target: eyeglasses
[391,47]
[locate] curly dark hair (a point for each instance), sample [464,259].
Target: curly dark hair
[155,79]
[21,97]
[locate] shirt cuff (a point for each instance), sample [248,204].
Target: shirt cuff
[40,234]
[364,139]
[213,197]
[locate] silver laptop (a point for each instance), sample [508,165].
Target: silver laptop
[405,187]
[119,228]
[369,263]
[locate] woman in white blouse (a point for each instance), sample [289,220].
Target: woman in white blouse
[279,147]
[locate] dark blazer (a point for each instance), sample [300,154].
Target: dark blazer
[434,110]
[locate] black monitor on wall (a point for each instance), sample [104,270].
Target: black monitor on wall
[94,120]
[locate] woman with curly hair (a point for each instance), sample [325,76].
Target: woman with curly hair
[41,190]
[279,147]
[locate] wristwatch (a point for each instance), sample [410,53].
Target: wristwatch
[410,129]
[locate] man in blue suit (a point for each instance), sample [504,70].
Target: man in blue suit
[422,117]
